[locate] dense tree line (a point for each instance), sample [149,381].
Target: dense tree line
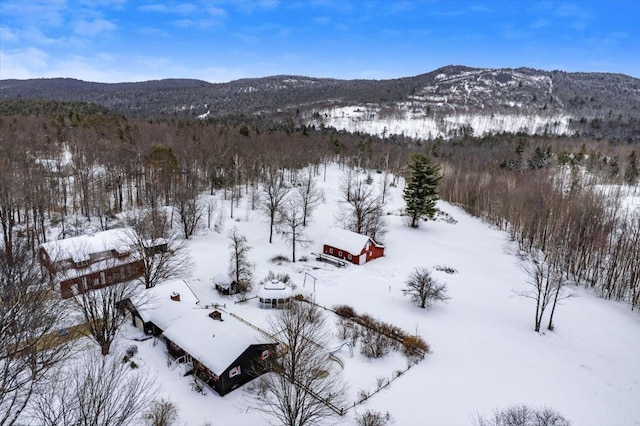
[564,216]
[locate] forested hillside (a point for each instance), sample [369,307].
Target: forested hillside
[475,101]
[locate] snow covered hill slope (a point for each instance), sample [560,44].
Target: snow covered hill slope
[461,101]
[485,354]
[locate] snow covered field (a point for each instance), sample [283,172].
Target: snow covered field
[485,354]
[420,126]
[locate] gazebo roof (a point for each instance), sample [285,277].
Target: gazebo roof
[275,289]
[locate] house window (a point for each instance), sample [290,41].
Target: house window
[349,257]
[340,253]
[330,251]
[234,372]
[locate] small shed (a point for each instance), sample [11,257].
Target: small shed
[224,285]
[351,246]
[274,294]
[223,350]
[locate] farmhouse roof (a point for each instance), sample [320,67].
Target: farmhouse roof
[214,343]
[80,248]
[349,241]
[156,305]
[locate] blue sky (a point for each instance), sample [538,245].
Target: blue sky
[223,40]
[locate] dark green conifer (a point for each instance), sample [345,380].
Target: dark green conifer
[421,190]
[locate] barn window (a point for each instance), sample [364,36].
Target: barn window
[349,257]
[340,253]
[330,251]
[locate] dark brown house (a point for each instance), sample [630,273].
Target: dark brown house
[220,349]
[75,265]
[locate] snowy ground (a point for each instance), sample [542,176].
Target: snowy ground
[484,352]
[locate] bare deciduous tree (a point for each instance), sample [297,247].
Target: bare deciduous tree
[546,285]
[240,269]
[310,197]
[292,225]
[101,310]
[365,214]
[300,388]
[29,321]
[423,289]
[93,391]
[274,194]
[162,253]
[189,209]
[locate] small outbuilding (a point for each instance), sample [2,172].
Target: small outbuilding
[224,285]
[222,350]
[351,246]
[275,294]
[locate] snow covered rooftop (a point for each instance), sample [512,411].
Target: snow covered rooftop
[156,305]
[274,289]
[214,343]
[222,280]
[345,240]
[80,248]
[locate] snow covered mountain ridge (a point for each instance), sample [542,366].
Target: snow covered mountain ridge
[449,102]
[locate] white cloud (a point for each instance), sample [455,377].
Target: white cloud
[48,12]
[94,27]
[156,7]
[6,35]
[23,63]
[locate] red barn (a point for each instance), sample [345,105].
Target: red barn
[78,264]
[350,246]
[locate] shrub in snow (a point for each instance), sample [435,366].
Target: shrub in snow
[282,277]
[375,344]
[161,413]
[445,269]
[374,418]
[279,259]
[344,311]
[343,328]
[415,346]
[522,415]
[131,351]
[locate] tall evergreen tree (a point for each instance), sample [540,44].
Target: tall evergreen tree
[421,190]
